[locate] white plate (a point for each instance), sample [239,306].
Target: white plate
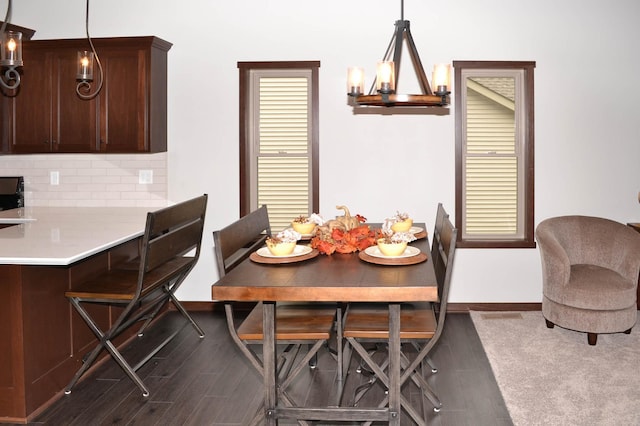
[297,251]
[375,252]
[416,230]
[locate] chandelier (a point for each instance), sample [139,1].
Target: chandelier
[10,54]
[383,90]
[86,59]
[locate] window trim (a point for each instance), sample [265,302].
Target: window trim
[245,126]
[528,240]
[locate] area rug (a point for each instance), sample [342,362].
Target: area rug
[553,377]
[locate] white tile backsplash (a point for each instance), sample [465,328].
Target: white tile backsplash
[96,180]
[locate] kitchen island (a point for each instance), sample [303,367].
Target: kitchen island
[43,252]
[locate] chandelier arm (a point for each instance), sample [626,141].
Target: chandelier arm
[397,50]
[85,84]
[417,64]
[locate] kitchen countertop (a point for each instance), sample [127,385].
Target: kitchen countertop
[64,235]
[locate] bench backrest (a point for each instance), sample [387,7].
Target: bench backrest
[172,232]
[235,242]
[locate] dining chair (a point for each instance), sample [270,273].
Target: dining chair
[296,323]
[421,324]
[138,289]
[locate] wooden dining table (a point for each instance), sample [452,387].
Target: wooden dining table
[341,278]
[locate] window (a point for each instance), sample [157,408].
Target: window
[279,139]
[494,154]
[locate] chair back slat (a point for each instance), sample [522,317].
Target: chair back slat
[177,215]
[442,254]
[237,241]
[172,232]
[176,242]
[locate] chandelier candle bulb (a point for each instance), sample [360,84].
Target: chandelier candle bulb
[355,81]
[386,77]
[441,78]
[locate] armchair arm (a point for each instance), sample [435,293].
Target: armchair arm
[629,254]
[556,267]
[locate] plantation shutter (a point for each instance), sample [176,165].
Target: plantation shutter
[283,145]
[492,160]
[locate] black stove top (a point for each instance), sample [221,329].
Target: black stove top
[11,192]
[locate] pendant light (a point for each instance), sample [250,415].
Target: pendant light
[86,59]
[10,53]
[383,91]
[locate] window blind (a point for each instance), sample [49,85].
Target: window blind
[283,164]
[491,195]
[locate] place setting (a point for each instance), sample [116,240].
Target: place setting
[392,243]
[283,248]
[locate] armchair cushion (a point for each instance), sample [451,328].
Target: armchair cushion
[595,287]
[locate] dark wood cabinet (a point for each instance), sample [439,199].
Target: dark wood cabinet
[129,115]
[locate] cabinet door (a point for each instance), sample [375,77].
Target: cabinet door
[32,106]
[75,120]
[49,116]
[123,102]
[5,124]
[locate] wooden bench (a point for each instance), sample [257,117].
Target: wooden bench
[142,287]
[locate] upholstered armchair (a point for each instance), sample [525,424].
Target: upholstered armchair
[590,270]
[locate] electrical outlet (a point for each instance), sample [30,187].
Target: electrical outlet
[145,177]
[54,178]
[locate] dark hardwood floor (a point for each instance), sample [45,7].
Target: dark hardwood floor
[208,382]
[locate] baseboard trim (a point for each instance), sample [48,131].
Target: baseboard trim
[451,307]
[494,307]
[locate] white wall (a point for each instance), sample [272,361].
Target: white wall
[587,109]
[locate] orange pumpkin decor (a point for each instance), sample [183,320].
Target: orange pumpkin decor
[344,234]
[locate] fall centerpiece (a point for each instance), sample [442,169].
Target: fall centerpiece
[344,234]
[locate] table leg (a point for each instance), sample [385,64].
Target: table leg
[340,359]
[269,362]
[394,364]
